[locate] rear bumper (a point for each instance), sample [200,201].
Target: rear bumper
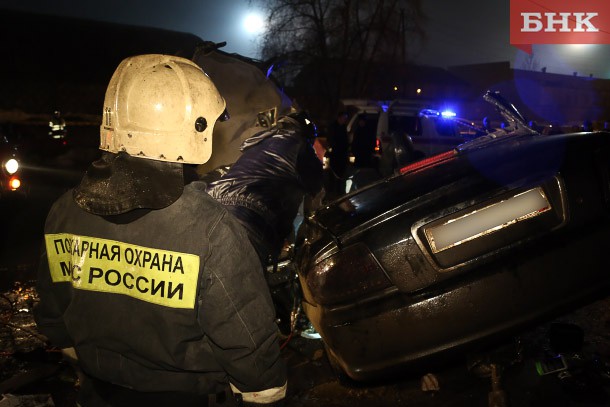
[371,339]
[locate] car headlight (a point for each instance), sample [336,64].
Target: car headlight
[11,166]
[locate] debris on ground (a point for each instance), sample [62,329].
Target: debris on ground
[35,400]
[32,373]
[18,334]
[497,397]
[429,383]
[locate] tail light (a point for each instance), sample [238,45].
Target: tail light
[14,183]
[377,145]
[349,274]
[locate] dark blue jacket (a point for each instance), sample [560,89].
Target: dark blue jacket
[266,185]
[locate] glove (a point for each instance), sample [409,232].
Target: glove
[69,355]
[273,397]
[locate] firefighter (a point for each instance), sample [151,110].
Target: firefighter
[147,281]
[57,126]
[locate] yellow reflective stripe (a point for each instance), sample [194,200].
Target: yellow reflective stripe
[157,276]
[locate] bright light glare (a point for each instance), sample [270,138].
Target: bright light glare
[254,24]
[11,166]
[448,113]
[14,183]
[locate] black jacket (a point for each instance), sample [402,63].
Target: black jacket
[172,300]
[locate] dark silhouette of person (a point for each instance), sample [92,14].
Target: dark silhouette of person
[363,144]
[338,143]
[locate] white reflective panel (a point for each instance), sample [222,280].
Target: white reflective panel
[487,219]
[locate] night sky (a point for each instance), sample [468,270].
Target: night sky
[458,32]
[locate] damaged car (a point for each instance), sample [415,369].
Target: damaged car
[458,248]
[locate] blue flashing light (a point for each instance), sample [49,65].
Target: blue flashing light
[384,107]
[448,113]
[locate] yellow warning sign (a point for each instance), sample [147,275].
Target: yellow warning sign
[158,276]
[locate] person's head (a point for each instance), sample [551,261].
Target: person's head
[161,107]
[308,128]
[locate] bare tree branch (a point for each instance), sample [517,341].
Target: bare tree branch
[342,42]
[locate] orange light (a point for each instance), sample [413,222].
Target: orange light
[377,145]
[14,183]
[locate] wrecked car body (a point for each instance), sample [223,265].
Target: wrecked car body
[460,247]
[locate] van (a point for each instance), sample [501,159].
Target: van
[409,130]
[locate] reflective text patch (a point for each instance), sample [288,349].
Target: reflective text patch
[158,276]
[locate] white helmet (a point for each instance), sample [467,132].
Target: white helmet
[160,107]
